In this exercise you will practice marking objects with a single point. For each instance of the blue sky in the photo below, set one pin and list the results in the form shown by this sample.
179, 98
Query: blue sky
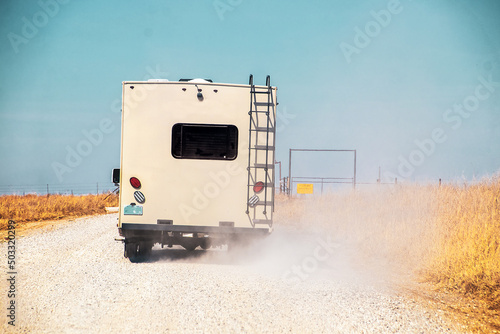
392, 99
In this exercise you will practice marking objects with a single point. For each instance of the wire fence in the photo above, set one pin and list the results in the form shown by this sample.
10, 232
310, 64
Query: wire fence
327, 184
61, 189
105, 187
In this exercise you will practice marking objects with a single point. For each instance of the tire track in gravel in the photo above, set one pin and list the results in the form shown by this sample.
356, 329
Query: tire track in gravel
75, 280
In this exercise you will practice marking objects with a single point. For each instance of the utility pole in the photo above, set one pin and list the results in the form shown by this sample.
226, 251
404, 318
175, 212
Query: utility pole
290, 173
354, 180
279, 163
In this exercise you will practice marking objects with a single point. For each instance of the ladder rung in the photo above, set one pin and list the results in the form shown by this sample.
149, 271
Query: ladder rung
263, 104
262, 128
262, 221
261, 92
264, 147
264, 203
263, 166
259, 111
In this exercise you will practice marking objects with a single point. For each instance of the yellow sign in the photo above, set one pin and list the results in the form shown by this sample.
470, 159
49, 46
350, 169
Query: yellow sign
304, 188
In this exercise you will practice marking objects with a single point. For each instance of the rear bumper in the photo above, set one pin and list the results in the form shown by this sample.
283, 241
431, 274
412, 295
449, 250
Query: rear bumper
212, 230
190, 236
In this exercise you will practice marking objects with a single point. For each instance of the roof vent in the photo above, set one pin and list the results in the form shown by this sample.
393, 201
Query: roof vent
197, 80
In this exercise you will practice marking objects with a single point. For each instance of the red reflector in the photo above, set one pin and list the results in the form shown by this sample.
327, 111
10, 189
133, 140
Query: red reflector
135, 182
258, 187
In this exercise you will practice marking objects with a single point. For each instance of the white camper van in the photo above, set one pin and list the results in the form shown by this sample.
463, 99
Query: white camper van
197, 163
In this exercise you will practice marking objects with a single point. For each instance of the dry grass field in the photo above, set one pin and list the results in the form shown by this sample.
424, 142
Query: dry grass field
469, 249
25, 210
467, 257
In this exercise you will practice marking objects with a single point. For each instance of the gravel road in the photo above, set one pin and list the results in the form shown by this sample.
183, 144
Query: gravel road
74, 279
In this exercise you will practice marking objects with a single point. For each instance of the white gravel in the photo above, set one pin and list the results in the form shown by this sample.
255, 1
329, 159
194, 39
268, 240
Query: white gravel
75, 280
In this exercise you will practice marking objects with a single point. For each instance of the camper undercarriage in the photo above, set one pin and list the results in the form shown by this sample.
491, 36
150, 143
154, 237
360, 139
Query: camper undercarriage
140, 238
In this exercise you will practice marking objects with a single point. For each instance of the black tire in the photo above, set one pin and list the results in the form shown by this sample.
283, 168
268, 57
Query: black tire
190, 248
145, 249
205, 244
137, 252
189, 244
131, 250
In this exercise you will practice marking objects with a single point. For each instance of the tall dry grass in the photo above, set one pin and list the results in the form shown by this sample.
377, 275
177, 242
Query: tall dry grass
31, 208
468, 257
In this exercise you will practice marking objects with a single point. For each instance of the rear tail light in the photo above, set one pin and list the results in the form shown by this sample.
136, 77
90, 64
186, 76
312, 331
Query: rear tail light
135, 182
258, 187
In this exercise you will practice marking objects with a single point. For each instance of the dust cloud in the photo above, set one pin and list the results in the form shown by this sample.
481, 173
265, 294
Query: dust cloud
377, 236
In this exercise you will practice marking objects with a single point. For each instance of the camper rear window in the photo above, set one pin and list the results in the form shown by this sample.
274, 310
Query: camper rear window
204, 141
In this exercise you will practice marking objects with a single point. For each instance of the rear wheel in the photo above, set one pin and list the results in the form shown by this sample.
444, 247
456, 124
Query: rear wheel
131, 250
189, 244
137, 251
145, 249
205, 244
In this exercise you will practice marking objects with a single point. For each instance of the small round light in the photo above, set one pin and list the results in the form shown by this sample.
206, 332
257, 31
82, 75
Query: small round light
135, 182
258, 187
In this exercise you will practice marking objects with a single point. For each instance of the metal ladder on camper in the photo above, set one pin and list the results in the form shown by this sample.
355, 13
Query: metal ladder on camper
261, 144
